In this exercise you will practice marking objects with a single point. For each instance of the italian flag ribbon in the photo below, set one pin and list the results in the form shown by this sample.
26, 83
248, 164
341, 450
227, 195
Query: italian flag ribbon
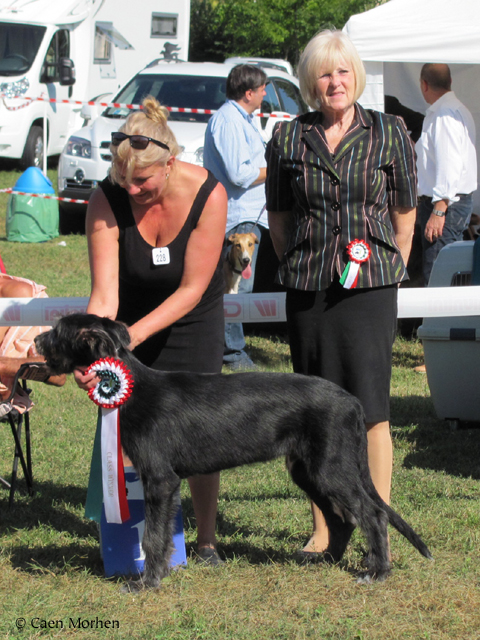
358, 251
114, 388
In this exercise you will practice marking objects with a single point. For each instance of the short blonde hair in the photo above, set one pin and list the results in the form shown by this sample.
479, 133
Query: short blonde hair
150, 122
323, 53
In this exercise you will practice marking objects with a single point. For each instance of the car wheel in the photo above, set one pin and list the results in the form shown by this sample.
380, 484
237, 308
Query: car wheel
33, 152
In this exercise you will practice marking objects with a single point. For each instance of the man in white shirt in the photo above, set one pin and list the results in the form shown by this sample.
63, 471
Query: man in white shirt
446, 165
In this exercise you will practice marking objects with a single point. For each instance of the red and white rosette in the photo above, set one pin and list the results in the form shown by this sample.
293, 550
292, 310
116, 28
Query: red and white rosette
114, 388
359, 252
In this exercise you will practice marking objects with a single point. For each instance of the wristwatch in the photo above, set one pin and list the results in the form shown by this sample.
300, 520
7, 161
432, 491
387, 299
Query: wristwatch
440, 214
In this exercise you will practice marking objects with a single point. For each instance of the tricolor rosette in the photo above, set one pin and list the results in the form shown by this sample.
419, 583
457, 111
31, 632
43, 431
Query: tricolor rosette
358, 251
116, 383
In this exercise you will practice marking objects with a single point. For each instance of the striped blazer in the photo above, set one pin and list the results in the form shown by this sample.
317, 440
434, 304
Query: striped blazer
335, 199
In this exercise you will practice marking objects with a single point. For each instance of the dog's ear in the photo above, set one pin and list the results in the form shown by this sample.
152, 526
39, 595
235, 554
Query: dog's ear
255, 238
118, 332
93, 343
106, 338
231, 238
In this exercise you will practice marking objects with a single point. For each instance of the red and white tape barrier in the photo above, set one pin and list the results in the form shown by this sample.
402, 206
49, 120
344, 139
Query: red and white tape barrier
42, 195
430, 302
118, 105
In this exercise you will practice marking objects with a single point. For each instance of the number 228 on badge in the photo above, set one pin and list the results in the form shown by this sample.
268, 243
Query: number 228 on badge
161, 255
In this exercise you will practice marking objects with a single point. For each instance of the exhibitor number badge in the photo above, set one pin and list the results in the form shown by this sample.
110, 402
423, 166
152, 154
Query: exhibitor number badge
161, 255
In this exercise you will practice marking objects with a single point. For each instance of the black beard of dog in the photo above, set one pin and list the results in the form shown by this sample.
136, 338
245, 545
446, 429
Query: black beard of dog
177, 425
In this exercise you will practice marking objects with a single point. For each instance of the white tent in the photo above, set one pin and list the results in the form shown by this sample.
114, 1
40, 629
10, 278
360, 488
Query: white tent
395, 39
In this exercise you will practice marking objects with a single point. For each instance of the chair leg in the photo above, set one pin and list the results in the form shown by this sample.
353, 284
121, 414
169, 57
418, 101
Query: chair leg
17, 432
26, 417
29, 453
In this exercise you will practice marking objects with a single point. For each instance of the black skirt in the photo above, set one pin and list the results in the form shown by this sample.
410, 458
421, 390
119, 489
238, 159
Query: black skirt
346, 336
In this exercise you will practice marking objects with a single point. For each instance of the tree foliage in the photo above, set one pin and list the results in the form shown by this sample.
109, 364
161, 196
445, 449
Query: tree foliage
266, 28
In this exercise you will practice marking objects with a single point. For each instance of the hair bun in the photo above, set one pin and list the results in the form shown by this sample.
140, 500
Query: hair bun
155, 111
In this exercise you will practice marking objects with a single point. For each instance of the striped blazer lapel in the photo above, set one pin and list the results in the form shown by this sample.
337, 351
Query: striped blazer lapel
315, 141
364, 123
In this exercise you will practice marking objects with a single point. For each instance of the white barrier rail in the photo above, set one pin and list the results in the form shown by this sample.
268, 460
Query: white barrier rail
431, 302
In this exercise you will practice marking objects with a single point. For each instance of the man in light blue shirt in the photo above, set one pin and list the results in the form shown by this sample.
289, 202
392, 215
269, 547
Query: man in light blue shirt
234, 152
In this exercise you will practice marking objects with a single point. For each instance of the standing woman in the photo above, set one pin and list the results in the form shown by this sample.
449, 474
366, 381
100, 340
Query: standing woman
155, 231
341, 196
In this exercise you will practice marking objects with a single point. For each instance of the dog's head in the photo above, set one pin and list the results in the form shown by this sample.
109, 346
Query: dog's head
79, 339
242, 246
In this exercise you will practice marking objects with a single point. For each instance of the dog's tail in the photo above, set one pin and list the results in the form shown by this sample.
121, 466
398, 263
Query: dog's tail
393, 517
405, 529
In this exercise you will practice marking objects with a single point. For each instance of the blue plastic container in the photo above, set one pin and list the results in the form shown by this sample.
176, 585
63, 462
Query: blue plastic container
29, 218
121, 544
34, 181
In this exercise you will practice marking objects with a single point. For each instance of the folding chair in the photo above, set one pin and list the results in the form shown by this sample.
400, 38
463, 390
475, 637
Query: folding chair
37, 371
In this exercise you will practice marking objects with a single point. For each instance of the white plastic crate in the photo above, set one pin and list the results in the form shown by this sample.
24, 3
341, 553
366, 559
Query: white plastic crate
452, 345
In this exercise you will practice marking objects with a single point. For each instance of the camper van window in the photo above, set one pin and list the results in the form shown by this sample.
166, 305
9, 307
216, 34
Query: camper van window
19, 44
192, 92
59, 48
164, 24
102, 46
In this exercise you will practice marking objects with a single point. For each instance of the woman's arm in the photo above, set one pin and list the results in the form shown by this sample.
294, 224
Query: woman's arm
279, 223
102, 235
403, 221
201, 258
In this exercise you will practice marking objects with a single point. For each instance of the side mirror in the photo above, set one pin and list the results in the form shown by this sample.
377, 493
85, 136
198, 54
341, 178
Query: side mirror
66, 72
89, 112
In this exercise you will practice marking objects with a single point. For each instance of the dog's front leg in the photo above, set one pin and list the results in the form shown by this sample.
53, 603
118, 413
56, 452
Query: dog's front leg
160, 509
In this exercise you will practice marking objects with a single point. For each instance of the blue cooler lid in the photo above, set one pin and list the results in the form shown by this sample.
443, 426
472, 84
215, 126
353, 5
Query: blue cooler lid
33, 181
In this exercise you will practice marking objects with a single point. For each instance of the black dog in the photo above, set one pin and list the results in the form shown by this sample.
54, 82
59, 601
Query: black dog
176, 425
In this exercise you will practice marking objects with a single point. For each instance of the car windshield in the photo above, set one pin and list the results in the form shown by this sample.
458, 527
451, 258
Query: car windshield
190, 92
18, 47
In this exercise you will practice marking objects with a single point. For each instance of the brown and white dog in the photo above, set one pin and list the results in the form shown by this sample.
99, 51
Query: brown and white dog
238, 262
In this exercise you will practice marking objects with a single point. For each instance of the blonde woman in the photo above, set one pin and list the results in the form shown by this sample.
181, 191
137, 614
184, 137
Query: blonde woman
155, 231
341, 196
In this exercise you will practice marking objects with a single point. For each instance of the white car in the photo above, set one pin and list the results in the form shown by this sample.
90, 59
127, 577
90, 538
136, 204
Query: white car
85, 160
266, 63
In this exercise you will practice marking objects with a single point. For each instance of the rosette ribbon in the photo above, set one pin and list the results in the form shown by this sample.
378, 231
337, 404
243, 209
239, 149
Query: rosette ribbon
359, 252
114, 388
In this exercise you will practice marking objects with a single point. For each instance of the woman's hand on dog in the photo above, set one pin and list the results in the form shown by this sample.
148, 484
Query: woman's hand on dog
85, 382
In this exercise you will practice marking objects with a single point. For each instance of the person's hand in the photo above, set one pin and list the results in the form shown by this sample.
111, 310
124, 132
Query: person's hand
134, 339
85, 382
32, 352
434, 228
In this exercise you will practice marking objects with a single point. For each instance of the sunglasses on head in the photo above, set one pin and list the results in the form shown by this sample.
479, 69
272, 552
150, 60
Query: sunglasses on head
137, 142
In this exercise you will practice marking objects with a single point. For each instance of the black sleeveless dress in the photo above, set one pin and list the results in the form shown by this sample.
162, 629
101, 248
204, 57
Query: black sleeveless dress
193, 343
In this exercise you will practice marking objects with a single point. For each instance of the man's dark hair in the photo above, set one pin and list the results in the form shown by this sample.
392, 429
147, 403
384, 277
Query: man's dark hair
242, 78
437, 76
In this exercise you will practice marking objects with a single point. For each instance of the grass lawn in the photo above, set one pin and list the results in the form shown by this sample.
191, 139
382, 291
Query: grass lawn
51, 571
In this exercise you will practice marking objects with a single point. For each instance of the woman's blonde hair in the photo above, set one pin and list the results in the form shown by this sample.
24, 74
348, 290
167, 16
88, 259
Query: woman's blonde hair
150, 122
324, 53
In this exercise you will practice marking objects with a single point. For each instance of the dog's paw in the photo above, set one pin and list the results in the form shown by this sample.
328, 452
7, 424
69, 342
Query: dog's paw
136, 586
368, 577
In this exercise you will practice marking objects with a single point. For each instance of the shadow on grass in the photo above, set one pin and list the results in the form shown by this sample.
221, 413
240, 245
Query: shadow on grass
436, 445
48, 508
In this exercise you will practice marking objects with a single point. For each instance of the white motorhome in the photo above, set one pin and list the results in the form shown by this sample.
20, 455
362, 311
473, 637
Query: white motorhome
74, 50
